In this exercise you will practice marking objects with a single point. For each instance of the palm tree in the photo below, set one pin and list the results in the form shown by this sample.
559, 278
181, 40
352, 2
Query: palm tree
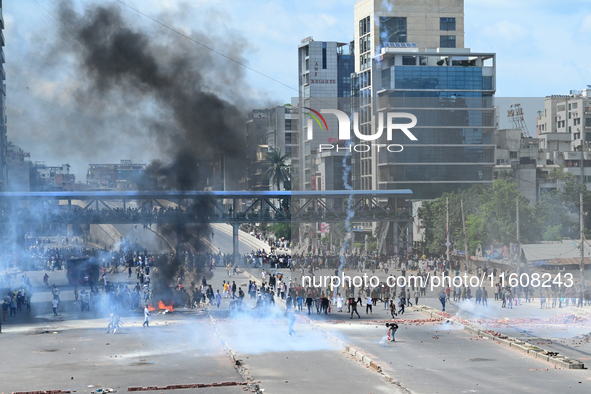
278, 171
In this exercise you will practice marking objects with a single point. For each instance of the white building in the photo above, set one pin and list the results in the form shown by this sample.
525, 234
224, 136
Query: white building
324, 70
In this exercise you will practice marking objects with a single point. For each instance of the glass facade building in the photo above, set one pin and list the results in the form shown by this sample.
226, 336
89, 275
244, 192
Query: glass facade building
451, 96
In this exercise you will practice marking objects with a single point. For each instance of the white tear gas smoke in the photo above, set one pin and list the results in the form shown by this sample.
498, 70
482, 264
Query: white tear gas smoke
350, 211
253, 331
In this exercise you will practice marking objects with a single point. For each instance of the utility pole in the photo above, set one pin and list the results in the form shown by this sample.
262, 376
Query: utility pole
465, 237
447, 244
582, 242
518, 238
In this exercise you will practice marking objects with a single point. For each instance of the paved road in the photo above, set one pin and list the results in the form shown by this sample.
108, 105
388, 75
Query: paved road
183, 347
550, 327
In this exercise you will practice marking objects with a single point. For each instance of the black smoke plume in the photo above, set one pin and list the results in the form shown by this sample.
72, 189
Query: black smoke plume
190, 124
192, 127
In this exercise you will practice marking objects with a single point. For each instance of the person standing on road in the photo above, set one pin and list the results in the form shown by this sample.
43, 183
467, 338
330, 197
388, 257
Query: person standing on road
84, 301
5, 307
54, 305
218, 298
339, 303
146, 317
13, 307
393, 309
233, 289
309, 301
442, 300
56, 293
354, 308
509, 296
46, 279
368, 305
290, 322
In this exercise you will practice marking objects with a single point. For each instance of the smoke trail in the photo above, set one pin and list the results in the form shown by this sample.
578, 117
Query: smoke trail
350, 211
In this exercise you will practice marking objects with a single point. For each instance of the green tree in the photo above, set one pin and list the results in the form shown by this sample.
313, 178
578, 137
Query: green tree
552, 215
475, 232
278, 170
281, 230
433, 217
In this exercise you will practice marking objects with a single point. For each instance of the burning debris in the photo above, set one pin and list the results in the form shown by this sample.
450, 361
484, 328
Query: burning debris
162, 308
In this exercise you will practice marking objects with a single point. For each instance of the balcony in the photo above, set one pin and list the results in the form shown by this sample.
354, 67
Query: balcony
573, 155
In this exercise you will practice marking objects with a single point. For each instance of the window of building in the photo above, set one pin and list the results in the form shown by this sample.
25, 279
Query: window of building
513, 155
576, 136
288, 124
569, 107
324, 56
447, 41
587, 122
364, 26
409, 60
392, 29
570, 113
447, 24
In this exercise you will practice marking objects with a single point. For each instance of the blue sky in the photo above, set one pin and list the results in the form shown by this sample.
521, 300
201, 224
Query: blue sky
542, 48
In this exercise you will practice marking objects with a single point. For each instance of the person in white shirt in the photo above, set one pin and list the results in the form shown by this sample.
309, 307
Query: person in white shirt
147, 315
339, 303
368, 305
218, 298
54, 305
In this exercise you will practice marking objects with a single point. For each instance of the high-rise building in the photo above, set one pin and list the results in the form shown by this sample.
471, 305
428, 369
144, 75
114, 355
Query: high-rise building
427, 23
3, 140
270, 129
409, 57
283, 136
324, 70
256, 149
19, 165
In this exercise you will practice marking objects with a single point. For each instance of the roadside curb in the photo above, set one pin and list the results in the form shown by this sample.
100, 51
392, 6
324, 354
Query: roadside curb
513, 343
253, 385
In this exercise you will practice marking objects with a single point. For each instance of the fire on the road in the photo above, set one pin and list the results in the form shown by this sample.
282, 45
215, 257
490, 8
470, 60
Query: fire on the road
161, 307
